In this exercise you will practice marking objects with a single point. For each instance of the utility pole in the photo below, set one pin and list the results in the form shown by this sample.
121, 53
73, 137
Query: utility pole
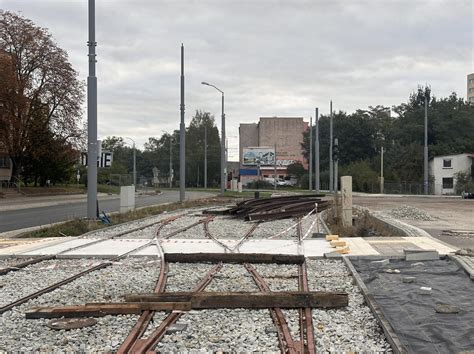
134, 166
310, 154
205, 156
223, 161
425, 157
331, 163
336, 164
92, 212
275, 169
171, 165
317, 182
381, 171
182, 161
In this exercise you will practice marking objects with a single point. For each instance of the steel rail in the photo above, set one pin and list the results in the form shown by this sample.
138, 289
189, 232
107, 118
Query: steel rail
246, 236
18, 266
145, 318
306, 315
208, 235
163, 221
286, 342
145, 345
174, 233
72, 278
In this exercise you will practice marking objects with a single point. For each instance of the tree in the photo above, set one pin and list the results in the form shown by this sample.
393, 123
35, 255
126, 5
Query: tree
195, 150
40, 84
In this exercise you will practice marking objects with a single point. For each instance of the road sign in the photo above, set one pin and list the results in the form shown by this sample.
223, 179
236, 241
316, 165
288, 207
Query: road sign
104, 160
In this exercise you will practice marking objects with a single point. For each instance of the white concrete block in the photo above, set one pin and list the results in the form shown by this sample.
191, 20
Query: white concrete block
425, 290
346, 198
127, 198
421, 255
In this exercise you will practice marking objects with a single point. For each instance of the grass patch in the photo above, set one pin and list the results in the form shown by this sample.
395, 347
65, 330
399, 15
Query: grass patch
74, 227
54, 190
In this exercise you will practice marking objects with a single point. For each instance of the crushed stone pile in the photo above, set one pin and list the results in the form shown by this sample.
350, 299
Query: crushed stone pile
410, 213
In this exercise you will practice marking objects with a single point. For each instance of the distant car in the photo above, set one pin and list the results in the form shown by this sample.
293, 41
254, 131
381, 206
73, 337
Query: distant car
467, 195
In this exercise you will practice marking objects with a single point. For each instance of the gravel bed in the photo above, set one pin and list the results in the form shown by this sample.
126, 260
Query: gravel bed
271, 228
223, 330
410, 213
108, 284
15, 285
184, 276
228, 228
113, 230
350, 329
232, 277
283, 277
13, 261
180, 223
236, 330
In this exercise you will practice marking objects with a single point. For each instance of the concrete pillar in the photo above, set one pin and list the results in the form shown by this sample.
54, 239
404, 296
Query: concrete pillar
127, 198
239, 187
346, 198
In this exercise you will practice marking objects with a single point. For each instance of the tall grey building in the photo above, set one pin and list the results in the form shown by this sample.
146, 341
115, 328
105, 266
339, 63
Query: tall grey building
470, 88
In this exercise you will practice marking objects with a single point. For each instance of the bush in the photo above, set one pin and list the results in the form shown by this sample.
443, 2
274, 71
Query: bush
259, 185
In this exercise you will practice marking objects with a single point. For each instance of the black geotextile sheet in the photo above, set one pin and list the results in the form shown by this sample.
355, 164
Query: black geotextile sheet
412, 315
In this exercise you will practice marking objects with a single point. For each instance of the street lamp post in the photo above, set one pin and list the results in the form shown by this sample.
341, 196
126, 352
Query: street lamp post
223, 162
134, 163
425, 150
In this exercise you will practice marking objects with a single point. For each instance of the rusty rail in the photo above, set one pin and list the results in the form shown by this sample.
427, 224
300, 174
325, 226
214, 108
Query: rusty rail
145, 318
146, 345
287, 344
246, 236
306, 315
174, 233
208, 235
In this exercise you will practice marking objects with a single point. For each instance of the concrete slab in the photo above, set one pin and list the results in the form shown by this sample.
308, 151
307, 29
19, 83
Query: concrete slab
20, 246
59, 247
109, 248
428, 243
358, 246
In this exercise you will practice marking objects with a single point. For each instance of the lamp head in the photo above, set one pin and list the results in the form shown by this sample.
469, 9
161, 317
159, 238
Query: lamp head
205, 83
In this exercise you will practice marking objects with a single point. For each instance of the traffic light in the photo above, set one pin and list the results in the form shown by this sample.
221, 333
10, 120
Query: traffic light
335, 150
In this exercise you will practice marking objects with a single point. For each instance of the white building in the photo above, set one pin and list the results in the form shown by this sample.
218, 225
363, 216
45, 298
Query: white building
443, 169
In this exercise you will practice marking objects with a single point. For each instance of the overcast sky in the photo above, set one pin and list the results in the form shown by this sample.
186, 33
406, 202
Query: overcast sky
271, 58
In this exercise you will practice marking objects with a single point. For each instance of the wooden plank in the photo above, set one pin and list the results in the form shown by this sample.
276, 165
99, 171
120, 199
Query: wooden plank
214, 300
103, 309
234, 258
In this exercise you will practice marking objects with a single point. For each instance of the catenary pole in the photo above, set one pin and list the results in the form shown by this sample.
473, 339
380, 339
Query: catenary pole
171, 163
425, 154
317, 183
182, 161
275, 168
205, 156
336, 166
223, 162
331, 163
310, 168
92, 119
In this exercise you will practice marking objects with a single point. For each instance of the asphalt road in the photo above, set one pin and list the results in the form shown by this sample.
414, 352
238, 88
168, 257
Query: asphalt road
28, 217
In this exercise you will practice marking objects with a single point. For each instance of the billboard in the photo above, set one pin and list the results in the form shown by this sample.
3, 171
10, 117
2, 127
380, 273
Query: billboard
254, 156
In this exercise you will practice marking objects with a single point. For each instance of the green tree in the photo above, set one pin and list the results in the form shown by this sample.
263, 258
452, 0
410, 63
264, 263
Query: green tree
195, 150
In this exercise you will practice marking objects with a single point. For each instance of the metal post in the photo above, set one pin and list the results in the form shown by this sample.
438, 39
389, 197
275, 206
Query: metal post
331, 168
171, 165
205, 157
310, 154
275, 169
182, 158
134, 166
92, 119
336, 167
381, 172
223, 152
317, 183
425, 155
223, 162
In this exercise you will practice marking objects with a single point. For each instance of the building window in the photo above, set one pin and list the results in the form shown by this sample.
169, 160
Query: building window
448, 183
4, 162
447, 163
